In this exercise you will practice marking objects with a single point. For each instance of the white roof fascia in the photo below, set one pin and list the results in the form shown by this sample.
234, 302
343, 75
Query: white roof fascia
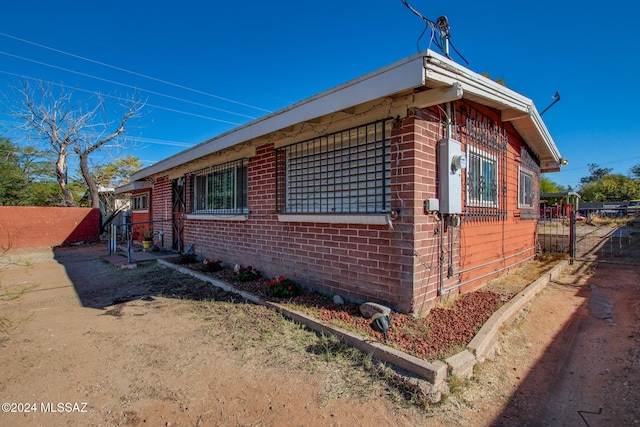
544, 133
398, 77
137, 185
443, 70
514, 106
427, 69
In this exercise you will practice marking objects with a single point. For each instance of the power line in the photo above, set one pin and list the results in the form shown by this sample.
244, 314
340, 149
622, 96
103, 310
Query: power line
161, 142
136, 73
600, 164
141, 139
126, 85
118, 98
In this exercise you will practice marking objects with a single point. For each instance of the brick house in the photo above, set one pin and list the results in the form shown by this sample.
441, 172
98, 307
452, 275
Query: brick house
367, 190
140, 208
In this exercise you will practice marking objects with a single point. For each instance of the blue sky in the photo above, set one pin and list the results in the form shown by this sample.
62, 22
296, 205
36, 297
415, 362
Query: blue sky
206, 67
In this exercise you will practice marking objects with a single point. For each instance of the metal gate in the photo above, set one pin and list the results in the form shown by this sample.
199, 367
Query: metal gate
607, 235
178, 211
595, 234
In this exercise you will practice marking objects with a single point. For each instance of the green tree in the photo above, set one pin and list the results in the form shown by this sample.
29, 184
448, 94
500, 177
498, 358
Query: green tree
549, 186
596, 174
12, 178
117, 172
611, 187
114, 174
499, 80
635, 171
27, 179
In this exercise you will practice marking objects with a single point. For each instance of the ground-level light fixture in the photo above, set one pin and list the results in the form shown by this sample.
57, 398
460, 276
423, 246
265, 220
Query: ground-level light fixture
380, 323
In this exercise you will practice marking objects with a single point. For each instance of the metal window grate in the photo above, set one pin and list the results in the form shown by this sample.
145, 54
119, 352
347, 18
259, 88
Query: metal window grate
220, 189
343, 172
486, 178
528, 174
526, 189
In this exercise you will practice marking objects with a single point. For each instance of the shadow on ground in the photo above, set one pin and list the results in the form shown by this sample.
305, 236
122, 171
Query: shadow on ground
590, 374
99, 285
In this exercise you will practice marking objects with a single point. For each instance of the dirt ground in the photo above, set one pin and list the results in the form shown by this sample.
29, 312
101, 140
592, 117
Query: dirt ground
172, 352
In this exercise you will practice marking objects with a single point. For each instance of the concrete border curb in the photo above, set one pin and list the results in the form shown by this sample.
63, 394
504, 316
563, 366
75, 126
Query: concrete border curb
482, 345
215, 282
436, 372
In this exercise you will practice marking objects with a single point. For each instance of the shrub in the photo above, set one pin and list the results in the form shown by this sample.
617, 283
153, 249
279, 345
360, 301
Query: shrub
186, 258
280, 287
246, 274
209, 266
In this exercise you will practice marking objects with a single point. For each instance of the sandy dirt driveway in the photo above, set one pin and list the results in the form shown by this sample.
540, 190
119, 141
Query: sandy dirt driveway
84, 343
161, 357
573, 357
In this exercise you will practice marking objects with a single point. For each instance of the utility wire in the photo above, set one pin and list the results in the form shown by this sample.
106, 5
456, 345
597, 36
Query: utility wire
161, 141
434, 28
10, 124
124, 70
118, 98
125, 85
428, 24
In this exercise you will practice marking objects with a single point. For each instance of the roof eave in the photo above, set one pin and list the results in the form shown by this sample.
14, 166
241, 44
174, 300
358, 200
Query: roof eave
132, 186
398, 77
425, 69
514, 107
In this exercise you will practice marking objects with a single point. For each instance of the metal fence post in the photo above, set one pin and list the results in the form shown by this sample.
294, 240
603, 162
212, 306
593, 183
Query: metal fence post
572, 236
110, 233
128, 246
179, 235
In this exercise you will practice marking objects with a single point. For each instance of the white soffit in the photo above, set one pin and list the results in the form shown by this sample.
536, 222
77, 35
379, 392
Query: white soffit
401, 76
515, 108
138, 185
426, 69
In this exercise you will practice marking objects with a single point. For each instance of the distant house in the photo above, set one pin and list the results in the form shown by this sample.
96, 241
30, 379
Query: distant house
366, 190
140, 208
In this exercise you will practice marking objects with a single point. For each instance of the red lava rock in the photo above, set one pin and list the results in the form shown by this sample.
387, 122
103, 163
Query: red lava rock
430, 337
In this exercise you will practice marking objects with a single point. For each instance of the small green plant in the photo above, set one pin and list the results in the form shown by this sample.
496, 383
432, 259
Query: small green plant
280, 287
247, 274
186, 258
209, 266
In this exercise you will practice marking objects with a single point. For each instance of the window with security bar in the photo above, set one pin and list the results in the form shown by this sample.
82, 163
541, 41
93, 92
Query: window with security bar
482, 179
346, 172
526, 191
221, 189
486, 174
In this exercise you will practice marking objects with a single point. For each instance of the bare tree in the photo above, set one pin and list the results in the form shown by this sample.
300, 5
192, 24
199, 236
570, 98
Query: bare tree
73, 128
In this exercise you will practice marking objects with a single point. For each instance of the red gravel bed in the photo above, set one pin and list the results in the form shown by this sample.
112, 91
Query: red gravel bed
439, 334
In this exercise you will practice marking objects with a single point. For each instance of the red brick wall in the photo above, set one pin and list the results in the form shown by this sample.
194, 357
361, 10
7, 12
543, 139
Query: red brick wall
493, 248
400, 266
161, 205
31, 227
357, 261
